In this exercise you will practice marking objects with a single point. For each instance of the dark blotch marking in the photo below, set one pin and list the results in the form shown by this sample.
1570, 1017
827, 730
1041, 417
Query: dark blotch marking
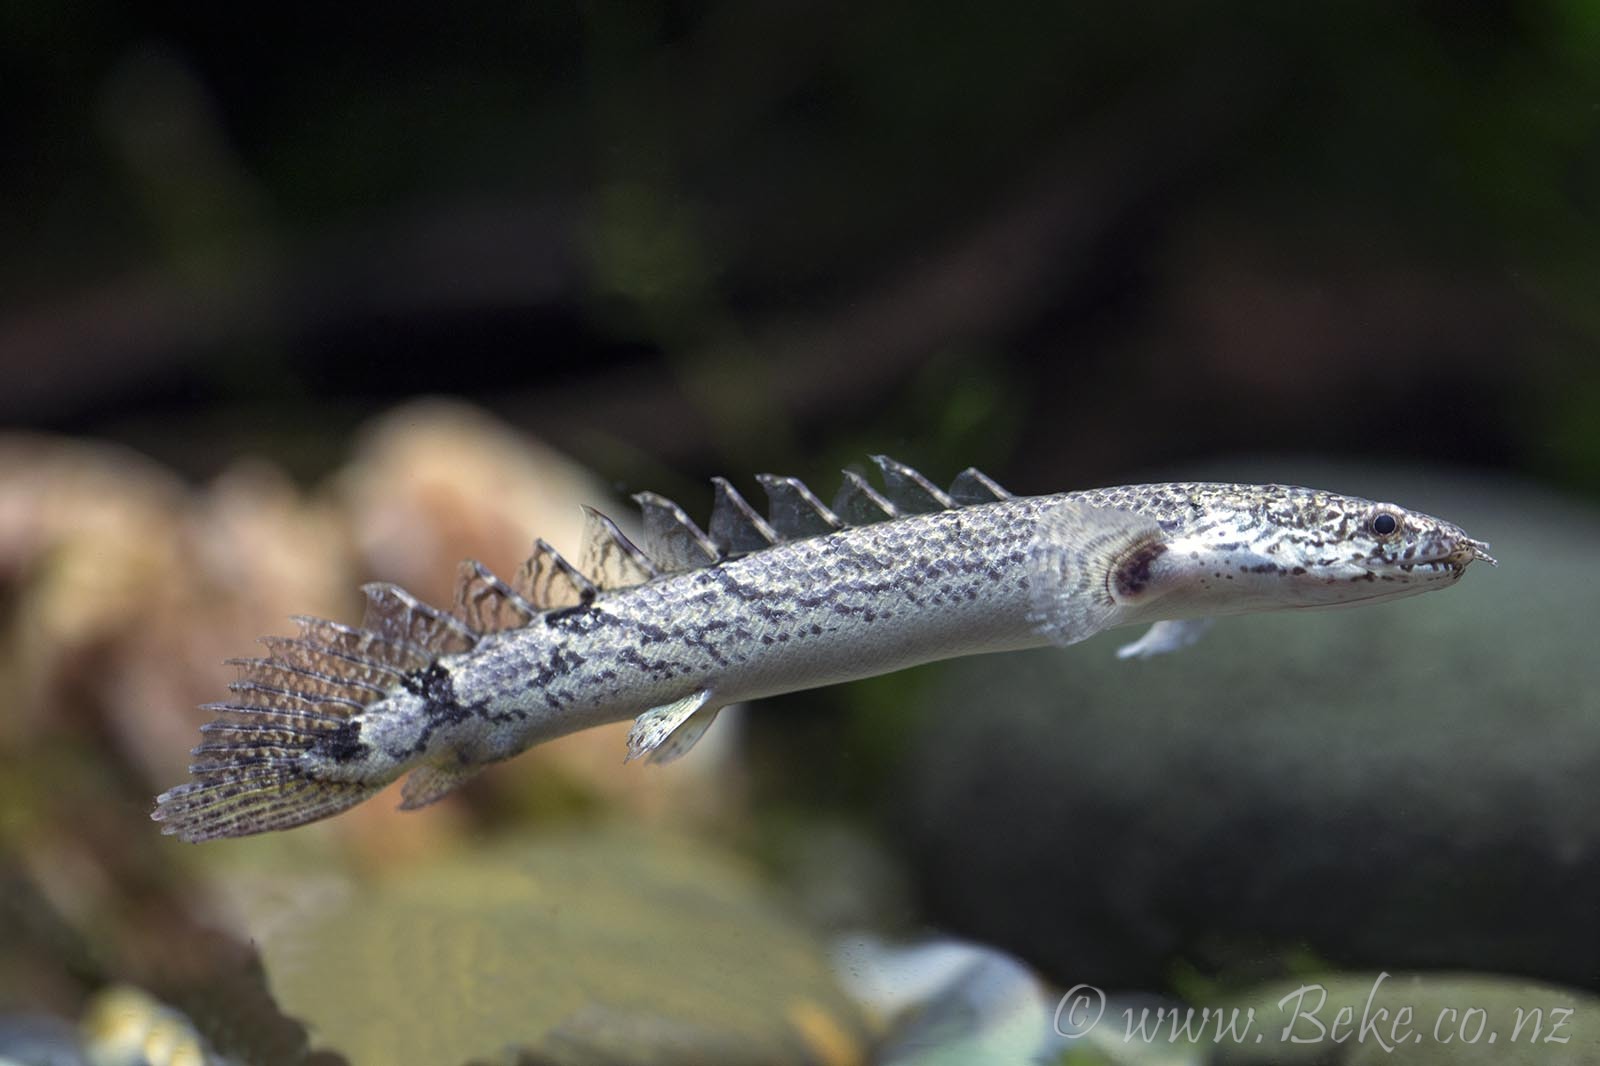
1133, 575
343, 743
440, 706
432, 683
560, 617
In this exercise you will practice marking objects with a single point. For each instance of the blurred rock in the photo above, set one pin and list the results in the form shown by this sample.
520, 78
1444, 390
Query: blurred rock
130, 591
252, 549
943, 1001
435, 482
87, 537
38, 1041
125, 1026
1408, 785
605, 946
948, 1002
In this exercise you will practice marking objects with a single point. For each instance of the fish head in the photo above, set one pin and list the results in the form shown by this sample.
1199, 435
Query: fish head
1273, 547
1347, 549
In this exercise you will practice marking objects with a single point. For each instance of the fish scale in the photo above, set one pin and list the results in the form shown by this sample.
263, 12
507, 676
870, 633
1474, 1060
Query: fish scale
668, 632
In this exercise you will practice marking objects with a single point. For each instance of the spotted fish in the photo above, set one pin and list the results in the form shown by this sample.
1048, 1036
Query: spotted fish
669, 631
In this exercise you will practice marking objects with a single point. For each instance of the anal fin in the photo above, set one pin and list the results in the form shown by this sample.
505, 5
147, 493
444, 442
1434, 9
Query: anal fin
430, 784
665, 733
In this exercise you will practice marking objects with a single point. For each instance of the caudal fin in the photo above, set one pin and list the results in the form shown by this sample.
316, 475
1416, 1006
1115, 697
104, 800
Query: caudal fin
251, 773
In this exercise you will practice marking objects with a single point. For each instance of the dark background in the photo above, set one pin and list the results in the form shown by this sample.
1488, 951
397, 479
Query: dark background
1067, 241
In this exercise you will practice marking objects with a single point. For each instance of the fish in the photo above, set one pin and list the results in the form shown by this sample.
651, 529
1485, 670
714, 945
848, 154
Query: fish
669, 631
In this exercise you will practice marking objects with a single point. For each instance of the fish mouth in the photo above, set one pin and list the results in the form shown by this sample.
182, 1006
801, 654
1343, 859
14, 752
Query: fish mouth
1455, 565
1457, 559
1479, 549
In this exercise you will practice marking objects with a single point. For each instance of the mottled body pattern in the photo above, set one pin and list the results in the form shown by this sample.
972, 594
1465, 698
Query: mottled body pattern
808, 596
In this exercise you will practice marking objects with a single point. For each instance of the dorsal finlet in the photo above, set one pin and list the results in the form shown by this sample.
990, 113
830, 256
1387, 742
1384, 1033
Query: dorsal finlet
393, 614
549, 582
736, 528
671, 538
973, 486
488, 604
910, 491
794, 510
610, 559
859, 504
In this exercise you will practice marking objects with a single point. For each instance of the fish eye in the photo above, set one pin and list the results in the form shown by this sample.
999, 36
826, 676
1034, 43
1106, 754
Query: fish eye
1384, 524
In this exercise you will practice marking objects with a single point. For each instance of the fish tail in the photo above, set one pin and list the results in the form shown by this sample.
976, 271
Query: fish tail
226, 804
278, 752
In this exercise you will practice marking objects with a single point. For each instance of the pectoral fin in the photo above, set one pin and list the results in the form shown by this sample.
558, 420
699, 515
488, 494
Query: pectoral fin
665, 733
1086, 564
1165, 636
430, 784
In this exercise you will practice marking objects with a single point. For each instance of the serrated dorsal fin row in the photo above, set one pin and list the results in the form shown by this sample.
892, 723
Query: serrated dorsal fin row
672, 543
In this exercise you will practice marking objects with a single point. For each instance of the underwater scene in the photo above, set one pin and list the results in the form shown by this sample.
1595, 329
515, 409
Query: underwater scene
811, 534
